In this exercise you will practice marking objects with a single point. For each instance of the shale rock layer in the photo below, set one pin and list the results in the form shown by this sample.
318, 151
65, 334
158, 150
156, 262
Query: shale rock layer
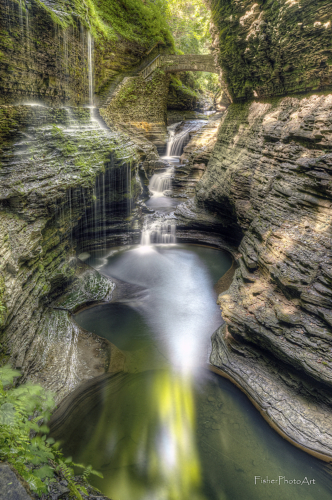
273, 48
271, 172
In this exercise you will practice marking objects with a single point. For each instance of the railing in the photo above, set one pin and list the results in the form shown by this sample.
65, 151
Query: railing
150, 68
176, 63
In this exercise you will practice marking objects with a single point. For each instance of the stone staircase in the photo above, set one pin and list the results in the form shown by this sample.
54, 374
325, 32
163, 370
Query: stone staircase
170, 63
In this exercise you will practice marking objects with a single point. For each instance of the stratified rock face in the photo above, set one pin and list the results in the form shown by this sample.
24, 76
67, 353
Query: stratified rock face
273, 48
53, 161
270, 174
46, 54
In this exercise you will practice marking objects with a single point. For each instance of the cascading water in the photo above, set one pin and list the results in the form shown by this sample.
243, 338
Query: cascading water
161, 182
158, 232
177, 140
162, 199
90, 68
171, 134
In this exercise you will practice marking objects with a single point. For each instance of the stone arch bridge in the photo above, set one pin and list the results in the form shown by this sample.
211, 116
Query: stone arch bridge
178, 63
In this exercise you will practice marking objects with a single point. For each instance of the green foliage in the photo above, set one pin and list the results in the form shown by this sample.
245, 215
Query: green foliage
57, 132
135, 20
23, 413
178, 85
189, 22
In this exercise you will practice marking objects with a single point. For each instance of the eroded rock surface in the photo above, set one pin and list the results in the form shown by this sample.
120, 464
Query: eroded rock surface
52, 163
272, 48
297, 407
270, 175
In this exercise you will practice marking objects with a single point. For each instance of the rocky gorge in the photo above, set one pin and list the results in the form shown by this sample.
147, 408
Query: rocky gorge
81, 129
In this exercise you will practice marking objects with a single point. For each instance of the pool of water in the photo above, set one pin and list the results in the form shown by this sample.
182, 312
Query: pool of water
168, 429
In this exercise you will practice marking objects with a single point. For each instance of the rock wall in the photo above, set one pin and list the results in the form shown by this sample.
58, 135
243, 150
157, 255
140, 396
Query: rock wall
142, 104
53, 161
273, 48
44, 54
272, 165
270, 176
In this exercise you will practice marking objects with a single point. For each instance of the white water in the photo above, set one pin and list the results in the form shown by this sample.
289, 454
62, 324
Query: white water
178, 140
158, 232
90, 68
161, 182
171, 135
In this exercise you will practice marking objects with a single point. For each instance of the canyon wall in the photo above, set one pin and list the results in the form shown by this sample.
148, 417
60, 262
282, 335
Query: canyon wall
66, 180
53, 163
269, 178
272, 48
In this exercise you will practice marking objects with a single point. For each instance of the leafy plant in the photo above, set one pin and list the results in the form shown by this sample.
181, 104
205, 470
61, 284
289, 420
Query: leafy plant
189, 23
24, 411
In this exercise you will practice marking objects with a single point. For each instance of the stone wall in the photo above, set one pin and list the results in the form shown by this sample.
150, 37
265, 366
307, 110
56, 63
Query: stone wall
142, 104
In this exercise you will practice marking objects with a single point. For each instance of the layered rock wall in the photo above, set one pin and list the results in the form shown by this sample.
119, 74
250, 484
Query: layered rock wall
270, 176
271, 170
52, 163
273, 48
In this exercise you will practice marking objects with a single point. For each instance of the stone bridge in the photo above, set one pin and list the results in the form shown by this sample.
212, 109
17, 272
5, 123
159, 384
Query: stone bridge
177, 63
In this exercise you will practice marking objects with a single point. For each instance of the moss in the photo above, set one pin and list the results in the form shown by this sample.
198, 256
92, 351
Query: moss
3, 308
10, 118
134, 20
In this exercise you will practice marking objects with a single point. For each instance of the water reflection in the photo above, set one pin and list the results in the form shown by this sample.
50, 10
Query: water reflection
176, 433
180, 308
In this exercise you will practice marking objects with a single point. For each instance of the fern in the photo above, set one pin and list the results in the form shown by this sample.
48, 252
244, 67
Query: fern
23, 413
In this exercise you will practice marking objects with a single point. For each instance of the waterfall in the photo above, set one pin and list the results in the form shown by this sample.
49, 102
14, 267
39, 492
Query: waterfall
90, 68
171, 134
65, 51
158, 232
178, 140
27, 31
161, 182
20, 14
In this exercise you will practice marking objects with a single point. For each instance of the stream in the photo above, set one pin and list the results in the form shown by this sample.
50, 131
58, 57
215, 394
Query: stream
166, 428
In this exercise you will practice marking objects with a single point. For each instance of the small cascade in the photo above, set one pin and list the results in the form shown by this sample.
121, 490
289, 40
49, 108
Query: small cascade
171, 134
161, 182
90, 67
178, 140
65, 51
20, 15
158, 232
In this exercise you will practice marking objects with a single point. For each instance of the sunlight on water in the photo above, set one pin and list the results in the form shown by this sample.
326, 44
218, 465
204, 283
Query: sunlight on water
163, 428
181, 314
148, 440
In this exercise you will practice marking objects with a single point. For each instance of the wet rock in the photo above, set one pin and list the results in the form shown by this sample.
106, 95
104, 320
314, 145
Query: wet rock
11, 487
270, 176
88, 287
297, 406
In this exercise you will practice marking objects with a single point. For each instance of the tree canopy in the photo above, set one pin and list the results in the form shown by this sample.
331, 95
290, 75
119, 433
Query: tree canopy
189, 23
